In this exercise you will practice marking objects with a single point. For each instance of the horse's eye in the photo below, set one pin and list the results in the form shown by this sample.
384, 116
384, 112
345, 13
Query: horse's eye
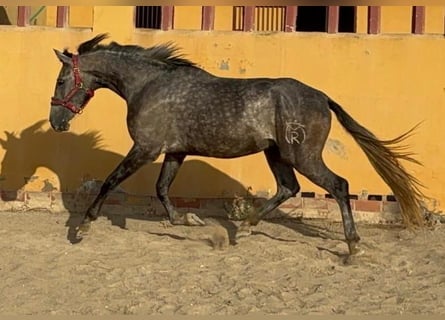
60, 81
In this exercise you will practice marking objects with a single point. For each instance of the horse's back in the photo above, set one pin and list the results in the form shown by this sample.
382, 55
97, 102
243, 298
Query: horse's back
220, 117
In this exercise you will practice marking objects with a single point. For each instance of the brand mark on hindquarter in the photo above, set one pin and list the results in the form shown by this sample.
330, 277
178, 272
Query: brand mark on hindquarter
295, 132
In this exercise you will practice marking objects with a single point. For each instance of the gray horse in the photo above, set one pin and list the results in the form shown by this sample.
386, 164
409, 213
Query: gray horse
177, 108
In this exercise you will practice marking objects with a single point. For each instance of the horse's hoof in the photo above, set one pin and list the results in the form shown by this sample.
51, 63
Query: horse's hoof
192, 219
84, 228
73, 236
354, 249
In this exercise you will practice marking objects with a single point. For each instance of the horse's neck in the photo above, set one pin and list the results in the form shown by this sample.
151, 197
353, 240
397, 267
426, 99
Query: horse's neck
117, 74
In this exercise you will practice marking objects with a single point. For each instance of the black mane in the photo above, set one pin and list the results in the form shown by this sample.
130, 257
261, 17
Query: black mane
166, 53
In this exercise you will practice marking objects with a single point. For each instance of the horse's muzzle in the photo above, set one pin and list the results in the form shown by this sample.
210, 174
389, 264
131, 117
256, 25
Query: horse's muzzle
65, 126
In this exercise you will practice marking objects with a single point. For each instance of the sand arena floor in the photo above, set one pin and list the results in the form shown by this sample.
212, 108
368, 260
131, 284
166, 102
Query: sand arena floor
285, 267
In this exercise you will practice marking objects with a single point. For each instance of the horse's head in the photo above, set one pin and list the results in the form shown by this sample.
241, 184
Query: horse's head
75, 85
74, 88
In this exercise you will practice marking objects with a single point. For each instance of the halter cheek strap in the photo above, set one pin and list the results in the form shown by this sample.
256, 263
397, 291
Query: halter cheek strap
78, 85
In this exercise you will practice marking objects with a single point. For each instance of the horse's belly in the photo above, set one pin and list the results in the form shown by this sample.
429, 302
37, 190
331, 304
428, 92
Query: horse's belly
227, 147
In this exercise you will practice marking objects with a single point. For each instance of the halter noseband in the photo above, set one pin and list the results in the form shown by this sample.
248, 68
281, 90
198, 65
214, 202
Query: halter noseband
78, 85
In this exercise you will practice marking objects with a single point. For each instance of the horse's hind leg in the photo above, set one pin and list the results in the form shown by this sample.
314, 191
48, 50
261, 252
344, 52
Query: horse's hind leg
315, 170
287, 186
170, 167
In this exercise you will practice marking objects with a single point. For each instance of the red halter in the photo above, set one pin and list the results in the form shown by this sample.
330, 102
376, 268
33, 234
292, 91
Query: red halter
78, 85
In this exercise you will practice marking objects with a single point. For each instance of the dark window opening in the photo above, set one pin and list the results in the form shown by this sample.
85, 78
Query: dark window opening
4, 19
346, 19
148, 17
311, 18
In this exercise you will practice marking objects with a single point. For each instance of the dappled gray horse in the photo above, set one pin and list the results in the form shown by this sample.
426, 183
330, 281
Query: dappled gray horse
176, 108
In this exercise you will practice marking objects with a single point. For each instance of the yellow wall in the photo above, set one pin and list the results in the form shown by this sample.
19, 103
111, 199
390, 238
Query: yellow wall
435, 19
396, 19
362, 19
223, 18
187, 17
81, 16
387, 82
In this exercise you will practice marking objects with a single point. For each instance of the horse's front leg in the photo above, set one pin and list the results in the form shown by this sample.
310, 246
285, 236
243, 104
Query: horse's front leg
170, 167
136, 158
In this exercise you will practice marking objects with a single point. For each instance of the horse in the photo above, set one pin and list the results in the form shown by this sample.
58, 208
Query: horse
177, 109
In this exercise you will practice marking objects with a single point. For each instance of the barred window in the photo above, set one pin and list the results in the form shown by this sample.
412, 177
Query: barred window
238, 18
270, 18
148, 17
266, 18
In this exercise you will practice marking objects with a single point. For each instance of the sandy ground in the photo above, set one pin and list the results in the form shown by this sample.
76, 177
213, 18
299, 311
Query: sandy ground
285, 267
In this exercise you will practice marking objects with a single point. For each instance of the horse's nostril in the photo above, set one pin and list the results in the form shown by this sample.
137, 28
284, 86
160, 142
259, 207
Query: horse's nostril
62, 127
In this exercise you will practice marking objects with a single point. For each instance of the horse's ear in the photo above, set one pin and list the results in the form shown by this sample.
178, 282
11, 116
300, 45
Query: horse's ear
9, 136
33, 129
63, 58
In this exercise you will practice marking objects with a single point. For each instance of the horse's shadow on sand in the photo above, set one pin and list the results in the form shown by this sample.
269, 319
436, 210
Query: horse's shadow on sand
80, 162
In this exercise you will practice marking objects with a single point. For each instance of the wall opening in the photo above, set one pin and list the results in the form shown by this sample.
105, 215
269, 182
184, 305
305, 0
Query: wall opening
4, 18
311, 18
347, 19
270, 18
148, 17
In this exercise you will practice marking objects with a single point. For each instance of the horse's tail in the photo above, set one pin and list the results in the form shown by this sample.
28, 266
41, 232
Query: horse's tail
384, 156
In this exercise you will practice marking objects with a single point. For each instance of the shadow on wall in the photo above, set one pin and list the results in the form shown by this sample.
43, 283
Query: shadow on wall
81, 163
80, 159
